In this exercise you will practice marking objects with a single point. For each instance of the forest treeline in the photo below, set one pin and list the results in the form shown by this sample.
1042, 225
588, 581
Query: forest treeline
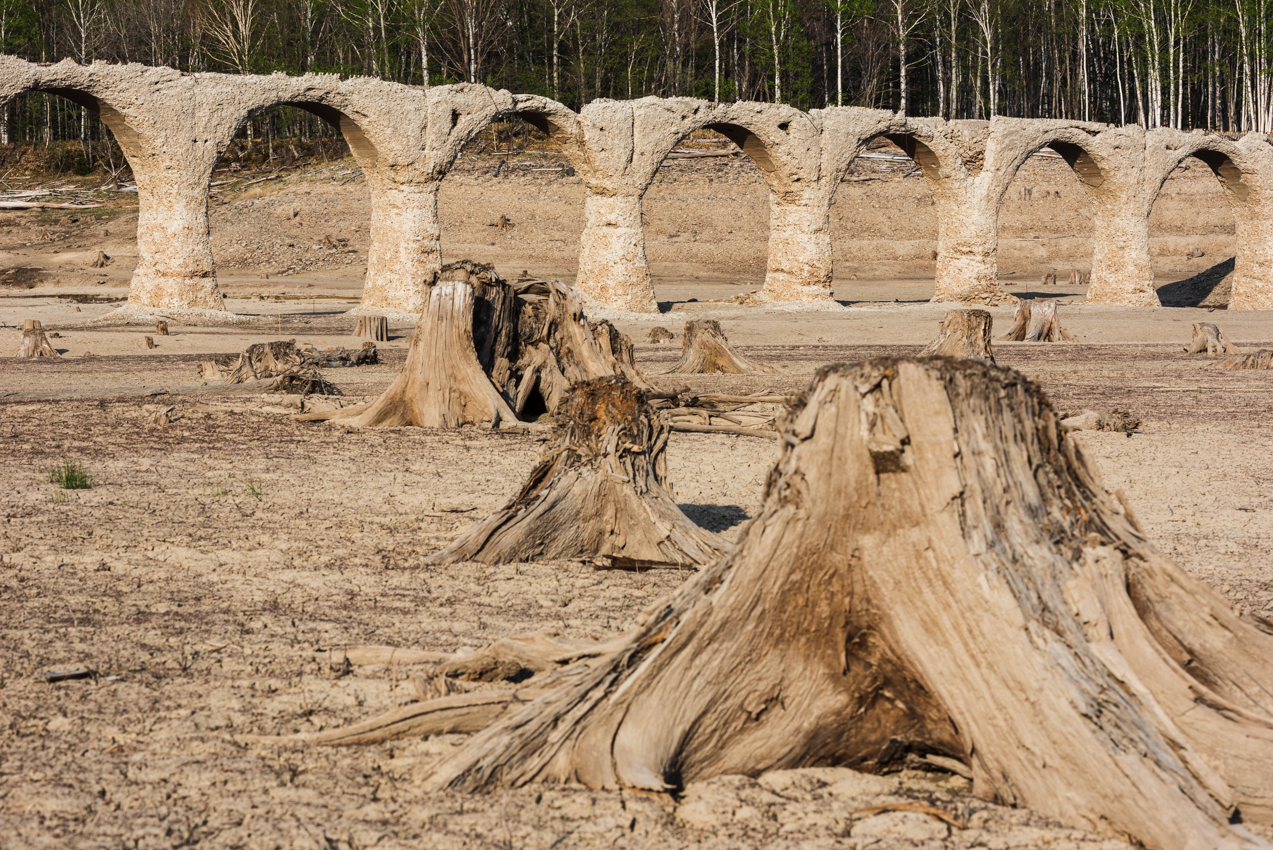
1174, 63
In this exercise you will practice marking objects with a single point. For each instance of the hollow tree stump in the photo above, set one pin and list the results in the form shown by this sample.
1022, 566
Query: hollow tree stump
1036, 321
34, 342
964, 333
598, 492
706, 351
1262, 359
976, 594
1209, 338
374, 328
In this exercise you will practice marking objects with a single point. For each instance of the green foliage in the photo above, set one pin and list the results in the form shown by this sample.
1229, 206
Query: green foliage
70, 475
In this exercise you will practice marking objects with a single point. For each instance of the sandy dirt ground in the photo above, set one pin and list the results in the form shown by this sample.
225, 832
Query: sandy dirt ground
220, 557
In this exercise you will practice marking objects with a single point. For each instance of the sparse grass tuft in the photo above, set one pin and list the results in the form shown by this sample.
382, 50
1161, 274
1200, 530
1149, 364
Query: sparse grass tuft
59, 497
70, 475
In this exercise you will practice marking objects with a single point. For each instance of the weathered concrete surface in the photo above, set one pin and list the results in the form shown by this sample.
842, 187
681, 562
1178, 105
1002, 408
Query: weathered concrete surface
173, 128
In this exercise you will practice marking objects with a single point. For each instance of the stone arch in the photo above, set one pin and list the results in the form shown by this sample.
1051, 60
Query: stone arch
1078, 148
1241, 179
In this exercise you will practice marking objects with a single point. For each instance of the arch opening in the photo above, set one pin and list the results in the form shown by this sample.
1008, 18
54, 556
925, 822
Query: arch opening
1193, 231
303, 241
883, 222
706, 216
1046, 229
512, 199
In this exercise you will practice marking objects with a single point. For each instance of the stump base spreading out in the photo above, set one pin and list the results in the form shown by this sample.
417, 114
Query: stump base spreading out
936, 571
1262, 359
706, 351
1209, 338
598, 492
34, 342
283, 368
1036, 321
964, 333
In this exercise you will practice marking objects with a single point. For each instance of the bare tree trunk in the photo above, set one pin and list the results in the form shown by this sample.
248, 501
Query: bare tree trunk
599, 492
964, 333
706, 351
1209, 338
936, 570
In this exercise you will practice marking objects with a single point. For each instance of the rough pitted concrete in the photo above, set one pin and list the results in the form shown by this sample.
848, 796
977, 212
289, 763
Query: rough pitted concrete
173, 128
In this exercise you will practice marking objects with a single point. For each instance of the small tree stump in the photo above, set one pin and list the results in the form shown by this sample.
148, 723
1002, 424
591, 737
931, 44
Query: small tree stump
657, 335
599, 491
964, 333
102, 260
34, 342
1049, 279
1209, 338
706, 351
1036, 321
1262, 359
150, 342
374, 328
280, 363
161, 328
1078, 278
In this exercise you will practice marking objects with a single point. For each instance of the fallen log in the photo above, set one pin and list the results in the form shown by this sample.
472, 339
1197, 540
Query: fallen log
706, 351
964, 333
979, 597
599, 490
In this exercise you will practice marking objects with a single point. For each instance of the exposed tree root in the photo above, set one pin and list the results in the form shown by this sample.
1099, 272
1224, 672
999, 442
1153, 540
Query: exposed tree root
1209, 338
1262, 359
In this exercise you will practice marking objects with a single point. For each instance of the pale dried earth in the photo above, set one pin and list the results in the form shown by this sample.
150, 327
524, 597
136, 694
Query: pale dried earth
217, 555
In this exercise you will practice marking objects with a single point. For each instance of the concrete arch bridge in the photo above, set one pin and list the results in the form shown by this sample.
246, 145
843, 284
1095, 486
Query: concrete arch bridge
174, 127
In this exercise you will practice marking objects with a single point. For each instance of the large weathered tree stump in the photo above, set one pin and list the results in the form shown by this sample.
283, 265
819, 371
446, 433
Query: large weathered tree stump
599, 492
374, 328
936, 569
706, 351
1262, 359
1209, 338
488, 351
34, 342
964, 333
1036, 321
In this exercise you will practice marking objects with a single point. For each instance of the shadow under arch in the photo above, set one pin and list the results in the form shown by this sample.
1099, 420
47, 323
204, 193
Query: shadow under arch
362, 148
129, 139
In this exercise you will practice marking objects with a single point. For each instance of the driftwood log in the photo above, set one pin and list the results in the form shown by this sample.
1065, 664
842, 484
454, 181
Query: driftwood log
374, 328
936, 570
706, 351
1262, 359
34, 342
599, 492
486, 351
1036, 321
1209, 338
964, 333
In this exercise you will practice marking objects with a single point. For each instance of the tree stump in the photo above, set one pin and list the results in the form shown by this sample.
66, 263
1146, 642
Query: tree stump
279, 363
34, 342
659, 335
936, 570
598, 492
1209, 338
161, 328
1036, 321
1078, 278
964, 333
1262, 359
150, 342
1049, 279
706, 351
374, 328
